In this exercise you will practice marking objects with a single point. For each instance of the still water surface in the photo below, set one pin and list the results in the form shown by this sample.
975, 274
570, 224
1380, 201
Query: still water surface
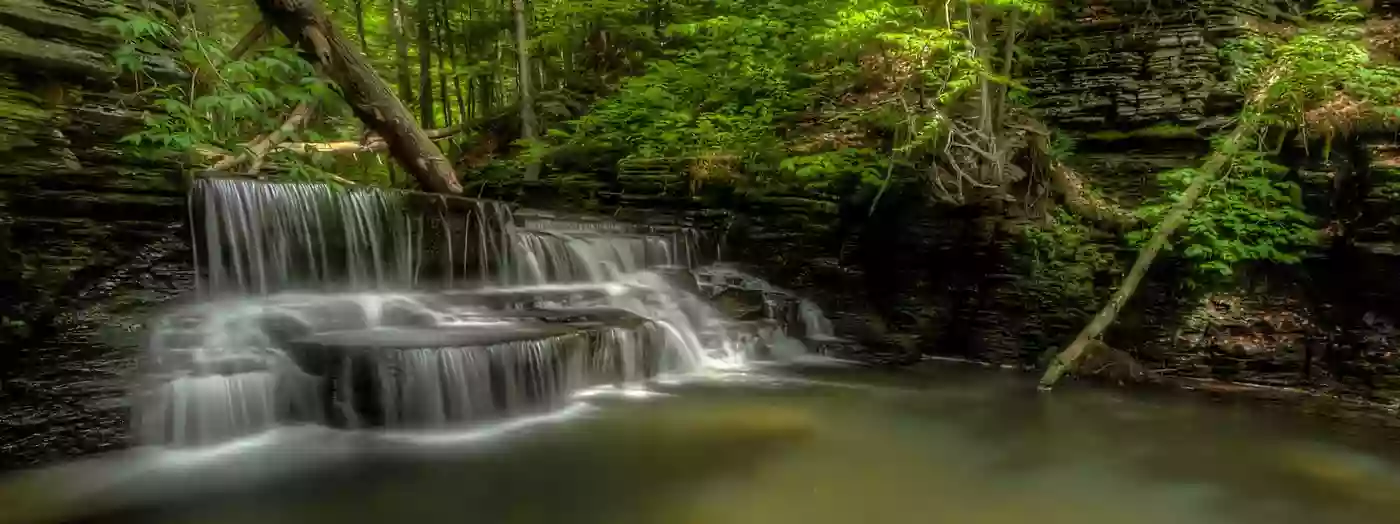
815, 445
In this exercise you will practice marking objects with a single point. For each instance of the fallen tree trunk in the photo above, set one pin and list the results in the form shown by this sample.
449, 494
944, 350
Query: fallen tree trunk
305, 24
1218, 161
341, 147
1068, 359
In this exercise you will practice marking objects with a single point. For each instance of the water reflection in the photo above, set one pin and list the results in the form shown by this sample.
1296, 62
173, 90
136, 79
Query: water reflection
825, 444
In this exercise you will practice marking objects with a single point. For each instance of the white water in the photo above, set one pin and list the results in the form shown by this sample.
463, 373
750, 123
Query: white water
288, 263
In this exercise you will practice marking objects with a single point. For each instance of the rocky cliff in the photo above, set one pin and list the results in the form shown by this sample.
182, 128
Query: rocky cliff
89, 237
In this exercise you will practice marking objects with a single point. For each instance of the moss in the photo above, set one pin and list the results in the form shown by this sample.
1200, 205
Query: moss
1158, 131
21, 115
794, 202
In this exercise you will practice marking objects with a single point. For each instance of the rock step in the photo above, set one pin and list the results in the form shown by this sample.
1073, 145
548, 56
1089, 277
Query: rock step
425, 378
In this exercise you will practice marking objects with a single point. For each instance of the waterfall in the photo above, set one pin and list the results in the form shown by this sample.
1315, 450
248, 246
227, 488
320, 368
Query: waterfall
260, 238
367, 309
814, 321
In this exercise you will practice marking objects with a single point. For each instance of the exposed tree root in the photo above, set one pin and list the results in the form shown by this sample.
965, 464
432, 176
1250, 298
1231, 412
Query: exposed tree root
1075, 192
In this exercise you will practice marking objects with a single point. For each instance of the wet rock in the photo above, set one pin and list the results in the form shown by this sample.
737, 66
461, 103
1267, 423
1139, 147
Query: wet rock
741, 304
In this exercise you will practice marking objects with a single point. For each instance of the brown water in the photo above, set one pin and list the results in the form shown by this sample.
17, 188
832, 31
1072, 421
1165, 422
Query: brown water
822, 445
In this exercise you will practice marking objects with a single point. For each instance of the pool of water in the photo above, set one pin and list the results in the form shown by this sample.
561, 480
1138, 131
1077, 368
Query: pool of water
812, 444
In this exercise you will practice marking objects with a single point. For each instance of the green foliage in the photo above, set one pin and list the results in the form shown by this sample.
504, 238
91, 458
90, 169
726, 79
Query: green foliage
1338, 11
819, 171
1248, 215
1062, 145
756, 79
236, 95
723, 90
215, 103
1318, 81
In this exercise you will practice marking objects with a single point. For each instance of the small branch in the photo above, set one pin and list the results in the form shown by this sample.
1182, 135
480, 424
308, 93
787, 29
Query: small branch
254, 35
370, 144
259, 150
259, 145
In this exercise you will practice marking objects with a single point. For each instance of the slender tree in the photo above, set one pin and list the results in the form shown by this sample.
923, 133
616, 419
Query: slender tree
439, 42
425, 64
396, 28
360, 25
452, 41
527, 100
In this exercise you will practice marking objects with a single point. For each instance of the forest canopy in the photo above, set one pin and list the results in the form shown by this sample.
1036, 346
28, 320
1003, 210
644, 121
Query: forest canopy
796, 93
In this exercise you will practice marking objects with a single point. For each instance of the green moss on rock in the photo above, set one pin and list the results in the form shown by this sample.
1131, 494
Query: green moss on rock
41, 20
1158, 131
55, 57
21, 115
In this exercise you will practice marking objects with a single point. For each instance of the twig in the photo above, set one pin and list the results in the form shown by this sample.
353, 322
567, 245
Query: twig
259, 151
255, 34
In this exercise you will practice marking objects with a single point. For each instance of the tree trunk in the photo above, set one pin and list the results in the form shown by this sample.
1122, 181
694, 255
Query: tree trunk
991, 168
369, 96
527, 100
249, 40
440, 40
261, 144
456, 79
1247, 127
360, 25
259, 151
425, 64
396, 26
1007, 59
1069, 358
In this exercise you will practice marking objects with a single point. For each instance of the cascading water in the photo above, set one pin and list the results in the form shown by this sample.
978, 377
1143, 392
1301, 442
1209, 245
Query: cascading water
381, 309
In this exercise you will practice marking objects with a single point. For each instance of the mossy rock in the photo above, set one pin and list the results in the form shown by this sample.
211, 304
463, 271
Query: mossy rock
56, 58
1162, 131
22, 116
41, 20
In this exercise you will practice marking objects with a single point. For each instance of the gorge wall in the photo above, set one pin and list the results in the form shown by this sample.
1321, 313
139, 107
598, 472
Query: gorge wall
90, 238
1144, 85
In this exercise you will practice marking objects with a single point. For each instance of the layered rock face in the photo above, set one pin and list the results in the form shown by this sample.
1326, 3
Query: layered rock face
1144, 94
90, 238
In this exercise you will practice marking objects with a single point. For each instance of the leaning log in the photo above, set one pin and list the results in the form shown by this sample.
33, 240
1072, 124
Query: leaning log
1068, 359
306, 24
1216, 164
